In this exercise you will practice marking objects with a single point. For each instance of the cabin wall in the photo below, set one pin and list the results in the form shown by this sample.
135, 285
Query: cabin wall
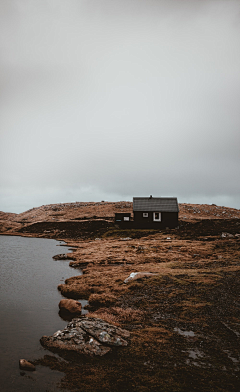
168, 219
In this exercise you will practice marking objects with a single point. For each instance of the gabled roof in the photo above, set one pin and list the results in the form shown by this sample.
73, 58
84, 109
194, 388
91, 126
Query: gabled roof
157, 204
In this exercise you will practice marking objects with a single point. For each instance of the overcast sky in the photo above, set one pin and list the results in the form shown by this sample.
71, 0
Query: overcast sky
110, 99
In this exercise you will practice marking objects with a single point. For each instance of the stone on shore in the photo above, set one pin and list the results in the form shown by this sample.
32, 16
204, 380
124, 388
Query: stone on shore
227, 235
138, 275
26, 365
62, 256
104, 332
87, 336
70, 305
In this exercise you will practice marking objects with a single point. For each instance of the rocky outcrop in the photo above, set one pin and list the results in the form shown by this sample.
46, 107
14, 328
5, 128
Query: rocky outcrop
105, 333
70, 306
62, 256
78, 264
87, 336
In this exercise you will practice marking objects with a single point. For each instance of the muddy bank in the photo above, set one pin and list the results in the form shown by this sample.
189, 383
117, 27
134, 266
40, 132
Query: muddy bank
66, 229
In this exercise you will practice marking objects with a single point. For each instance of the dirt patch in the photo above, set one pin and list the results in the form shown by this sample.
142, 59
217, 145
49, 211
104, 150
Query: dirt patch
76, 230
208, 228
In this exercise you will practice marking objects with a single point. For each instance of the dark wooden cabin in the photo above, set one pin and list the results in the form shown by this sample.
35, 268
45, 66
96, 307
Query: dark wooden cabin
155, 212
150, 213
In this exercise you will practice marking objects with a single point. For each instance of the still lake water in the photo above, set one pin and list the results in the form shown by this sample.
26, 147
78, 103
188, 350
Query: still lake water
29, 308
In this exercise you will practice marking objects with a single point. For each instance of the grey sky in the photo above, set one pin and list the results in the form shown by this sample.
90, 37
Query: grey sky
106, 100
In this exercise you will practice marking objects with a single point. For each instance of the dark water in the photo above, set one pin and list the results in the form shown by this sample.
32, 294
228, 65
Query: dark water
29, 308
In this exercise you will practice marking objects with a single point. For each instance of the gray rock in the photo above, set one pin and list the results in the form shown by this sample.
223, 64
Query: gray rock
104, 332
87, 336
227, 235
62, 256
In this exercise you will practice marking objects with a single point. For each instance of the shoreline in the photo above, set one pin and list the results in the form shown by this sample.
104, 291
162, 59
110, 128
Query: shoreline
184, 321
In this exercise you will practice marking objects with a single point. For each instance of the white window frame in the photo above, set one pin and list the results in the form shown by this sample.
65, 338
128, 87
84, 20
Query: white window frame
126, 218
159, 219
145, 214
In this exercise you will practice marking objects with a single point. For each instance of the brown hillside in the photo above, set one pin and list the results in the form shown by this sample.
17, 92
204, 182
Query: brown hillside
80, 211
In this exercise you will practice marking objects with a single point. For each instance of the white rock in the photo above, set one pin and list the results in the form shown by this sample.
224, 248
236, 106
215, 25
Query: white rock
138, 275
227, 235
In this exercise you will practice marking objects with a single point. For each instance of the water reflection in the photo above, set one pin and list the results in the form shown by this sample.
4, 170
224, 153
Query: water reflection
29, 307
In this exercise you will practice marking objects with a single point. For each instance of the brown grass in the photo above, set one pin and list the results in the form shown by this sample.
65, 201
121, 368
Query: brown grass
118, 316
101, 300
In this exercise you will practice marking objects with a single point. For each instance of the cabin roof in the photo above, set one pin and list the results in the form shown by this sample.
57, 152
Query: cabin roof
157, 204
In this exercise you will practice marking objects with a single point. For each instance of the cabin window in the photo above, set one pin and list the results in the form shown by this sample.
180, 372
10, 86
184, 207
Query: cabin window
126, 218
145, 214
157, 216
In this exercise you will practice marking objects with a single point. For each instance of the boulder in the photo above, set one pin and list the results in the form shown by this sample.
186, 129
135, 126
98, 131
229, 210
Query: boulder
26, 365
70, 305
104, 332
87, 336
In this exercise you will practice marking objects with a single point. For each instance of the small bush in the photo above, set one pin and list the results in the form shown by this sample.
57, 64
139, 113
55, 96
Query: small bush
101, 300
75, 291
127, 315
